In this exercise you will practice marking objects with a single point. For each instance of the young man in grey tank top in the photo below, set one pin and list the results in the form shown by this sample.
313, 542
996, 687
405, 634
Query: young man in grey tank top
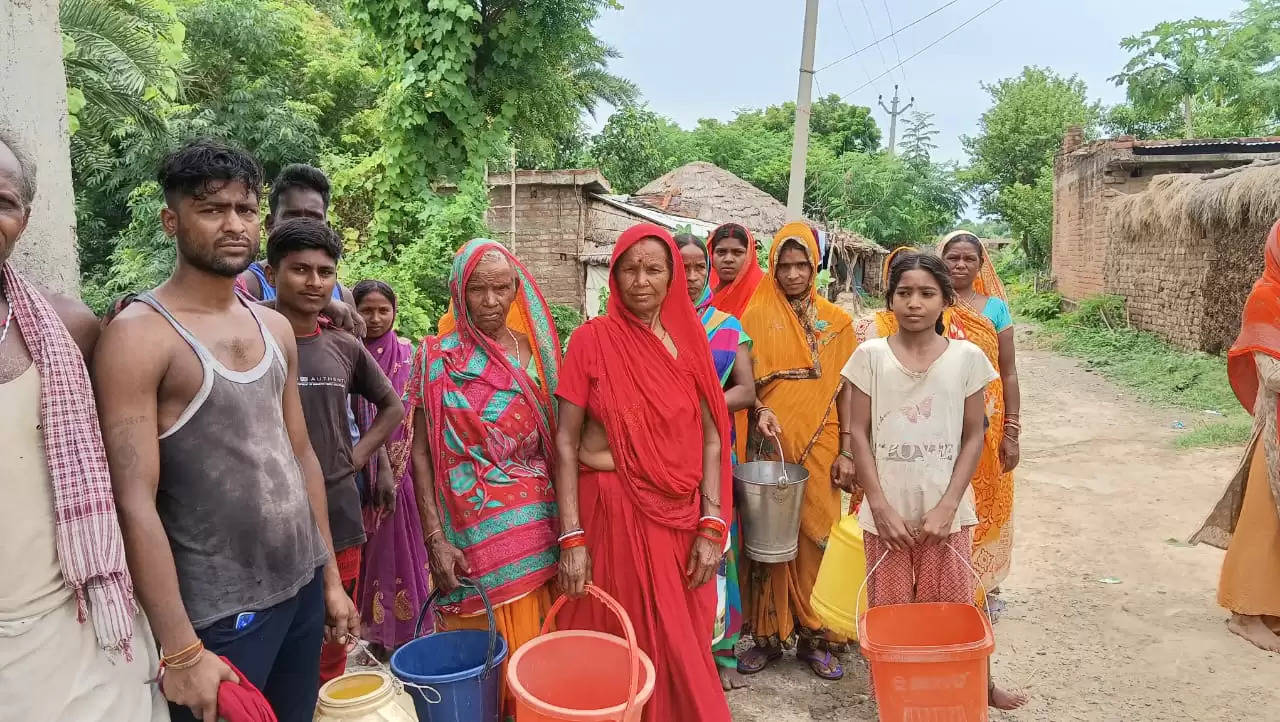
220, 495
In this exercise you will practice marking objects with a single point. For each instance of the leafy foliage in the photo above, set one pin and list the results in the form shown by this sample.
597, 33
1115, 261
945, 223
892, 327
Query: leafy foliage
918, 138
567, 319
279, 77
120, 57
1011, 157
635, 146
1175, 64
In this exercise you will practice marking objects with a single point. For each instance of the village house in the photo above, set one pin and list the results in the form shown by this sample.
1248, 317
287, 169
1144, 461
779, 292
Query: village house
1156, 223
566, 222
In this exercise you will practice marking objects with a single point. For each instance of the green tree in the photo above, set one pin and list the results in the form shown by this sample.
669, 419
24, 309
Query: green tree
1175, 64
637, 145
120, 57
886, 198
1017, 138
280, 77
917, 138
1028, 209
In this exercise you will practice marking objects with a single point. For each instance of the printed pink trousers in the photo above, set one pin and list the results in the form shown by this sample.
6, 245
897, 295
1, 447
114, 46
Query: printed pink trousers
931, 573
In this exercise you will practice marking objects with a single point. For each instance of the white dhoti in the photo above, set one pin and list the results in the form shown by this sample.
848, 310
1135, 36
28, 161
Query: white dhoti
52, 670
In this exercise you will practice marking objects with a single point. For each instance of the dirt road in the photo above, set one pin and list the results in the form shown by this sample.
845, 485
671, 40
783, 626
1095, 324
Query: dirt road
1102, 494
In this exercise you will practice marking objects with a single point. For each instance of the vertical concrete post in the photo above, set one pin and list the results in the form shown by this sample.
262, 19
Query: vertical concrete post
33, 107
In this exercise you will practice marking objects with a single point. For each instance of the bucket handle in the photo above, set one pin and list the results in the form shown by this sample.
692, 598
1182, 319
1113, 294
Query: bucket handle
399, 684
488, 610
857, 600
785, 482
628, 630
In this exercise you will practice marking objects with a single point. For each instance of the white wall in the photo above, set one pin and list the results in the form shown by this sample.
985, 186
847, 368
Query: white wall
33, 106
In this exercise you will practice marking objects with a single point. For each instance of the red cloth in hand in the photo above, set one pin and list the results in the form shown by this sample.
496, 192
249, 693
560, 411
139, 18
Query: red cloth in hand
242, 702
239, 702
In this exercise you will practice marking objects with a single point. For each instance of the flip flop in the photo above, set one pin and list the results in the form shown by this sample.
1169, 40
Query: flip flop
822, 663
754, 660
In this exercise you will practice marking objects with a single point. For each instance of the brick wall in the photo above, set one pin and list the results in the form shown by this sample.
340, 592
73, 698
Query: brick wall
1085, 185
1235, 263
1162, 281
550, 222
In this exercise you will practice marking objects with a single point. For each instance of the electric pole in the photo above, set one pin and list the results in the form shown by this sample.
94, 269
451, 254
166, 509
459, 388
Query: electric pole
893, 119
800, 147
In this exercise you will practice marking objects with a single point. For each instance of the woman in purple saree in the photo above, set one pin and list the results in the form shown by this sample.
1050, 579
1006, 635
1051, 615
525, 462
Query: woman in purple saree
394, 577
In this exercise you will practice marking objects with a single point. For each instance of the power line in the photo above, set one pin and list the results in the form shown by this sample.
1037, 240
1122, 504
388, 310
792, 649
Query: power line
868, 46
871, 26
892, 33
850, 33
921, 51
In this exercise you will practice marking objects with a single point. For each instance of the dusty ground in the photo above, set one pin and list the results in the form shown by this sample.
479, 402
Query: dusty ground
1102, 494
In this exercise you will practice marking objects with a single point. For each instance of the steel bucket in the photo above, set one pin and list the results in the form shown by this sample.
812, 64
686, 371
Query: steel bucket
768, 496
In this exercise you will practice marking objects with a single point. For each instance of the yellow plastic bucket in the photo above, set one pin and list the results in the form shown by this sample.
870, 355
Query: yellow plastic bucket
844, 567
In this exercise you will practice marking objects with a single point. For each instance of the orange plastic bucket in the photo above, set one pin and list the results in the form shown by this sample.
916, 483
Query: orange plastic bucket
579, 674
928, 660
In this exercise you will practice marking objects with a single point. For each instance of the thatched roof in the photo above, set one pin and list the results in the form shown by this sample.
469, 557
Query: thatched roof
706, 192
709, 193
1187, 203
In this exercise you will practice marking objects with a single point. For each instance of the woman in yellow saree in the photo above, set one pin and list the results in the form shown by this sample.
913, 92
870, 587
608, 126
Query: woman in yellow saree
801, 343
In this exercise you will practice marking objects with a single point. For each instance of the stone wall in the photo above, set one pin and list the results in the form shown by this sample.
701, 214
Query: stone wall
33, 95
550, 222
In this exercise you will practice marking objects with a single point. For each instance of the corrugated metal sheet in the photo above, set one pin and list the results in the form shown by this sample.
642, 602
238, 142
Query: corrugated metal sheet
1206, 146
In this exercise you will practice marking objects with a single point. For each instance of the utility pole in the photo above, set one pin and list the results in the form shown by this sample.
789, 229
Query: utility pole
893, 119
800, 147
512, 244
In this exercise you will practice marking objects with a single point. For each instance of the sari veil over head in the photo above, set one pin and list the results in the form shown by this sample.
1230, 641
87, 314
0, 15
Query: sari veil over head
803, 339
1259, 327
661, 465
492, 479
734, 297
1259, 334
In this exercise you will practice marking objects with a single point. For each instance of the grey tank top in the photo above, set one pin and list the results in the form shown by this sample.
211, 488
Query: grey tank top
231, 495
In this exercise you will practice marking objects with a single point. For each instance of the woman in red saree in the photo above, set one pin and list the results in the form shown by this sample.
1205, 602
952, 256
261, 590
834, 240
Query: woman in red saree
643, 414
735, 271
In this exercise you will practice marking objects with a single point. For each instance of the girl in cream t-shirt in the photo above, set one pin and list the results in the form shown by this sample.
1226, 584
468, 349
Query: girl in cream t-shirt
917, 425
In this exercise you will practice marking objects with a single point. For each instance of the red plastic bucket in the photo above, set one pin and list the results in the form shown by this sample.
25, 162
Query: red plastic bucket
581, 675
928, 660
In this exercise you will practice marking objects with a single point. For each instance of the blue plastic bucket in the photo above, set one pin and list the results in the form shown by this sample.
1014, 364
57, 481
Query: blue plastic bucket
454, 676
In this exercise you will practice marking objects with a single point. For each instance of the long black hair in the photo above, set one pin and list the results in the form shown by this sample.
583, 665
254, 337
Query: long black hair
731, 230
372, 285
913, 261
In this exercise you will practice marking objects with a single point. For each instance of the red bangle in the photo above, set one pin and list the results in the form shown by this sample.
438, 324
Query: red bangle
717, 540
573, 541
714, 524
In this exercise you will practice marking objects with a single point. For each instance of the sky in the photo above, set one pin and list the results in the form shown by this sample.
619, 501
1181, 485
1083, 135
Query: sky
707, 58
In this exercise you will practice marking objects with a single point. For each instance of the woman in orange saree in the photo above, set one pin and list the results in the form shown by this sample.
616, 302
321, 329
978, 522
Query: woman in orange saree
1246, 521
801, 342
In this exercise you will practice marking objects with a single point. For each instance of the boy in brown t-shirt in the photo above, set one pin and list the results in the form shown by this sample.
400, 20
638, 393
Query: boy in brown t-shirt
302, 264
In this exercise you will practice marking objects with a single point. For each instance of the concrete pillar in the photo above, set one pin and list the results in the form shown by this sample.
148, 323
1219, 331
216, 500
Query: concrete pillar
33, 105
